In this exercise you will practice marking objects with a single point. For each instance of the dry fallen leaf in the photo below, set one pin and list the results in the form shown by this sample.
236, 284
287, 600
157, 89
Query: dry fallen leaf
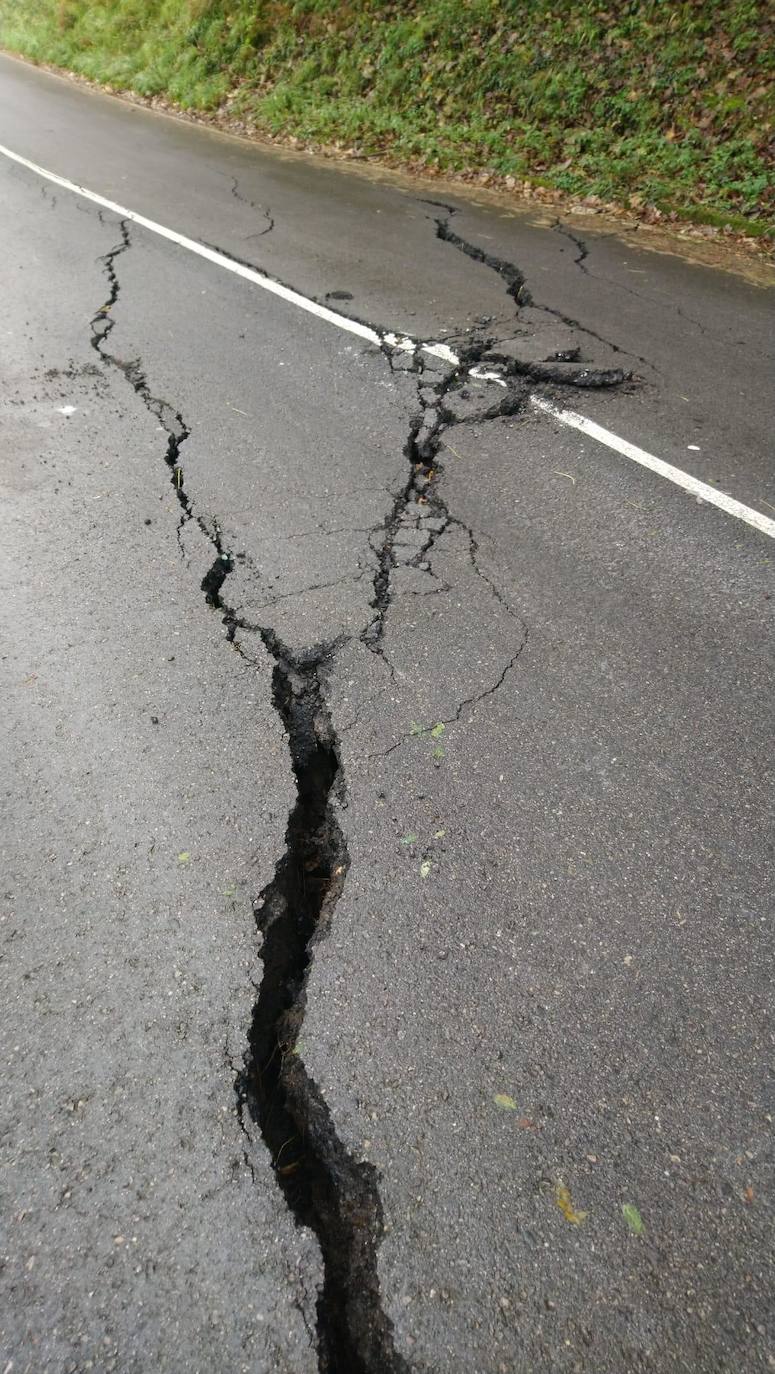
563, 1199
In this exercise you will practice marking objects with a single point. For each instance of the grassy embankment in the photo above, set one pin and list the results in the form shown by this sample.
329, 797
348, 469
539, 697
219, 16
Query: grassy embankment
664, 104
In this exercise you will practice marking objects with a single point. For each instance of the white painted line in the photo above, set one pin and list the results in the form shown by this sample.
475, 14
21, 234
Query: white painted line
647, 460
363, 331
267, 283
482, 375
406, 344
441, 350
400, 341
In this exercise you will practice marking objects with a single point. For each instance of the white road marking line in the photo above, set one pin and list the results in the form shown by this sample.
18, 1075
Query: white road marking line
363, 331
647, 460
406, 344
482, 375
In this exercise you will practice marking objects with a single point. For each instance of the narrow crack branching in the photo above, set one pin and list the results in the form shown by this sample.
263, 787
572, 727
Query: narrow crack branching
451, 397
372, 634
245, 200
325, 1188
612, 284
582, 252
520, 293
419, 502
511, 274
476, 697
420, 499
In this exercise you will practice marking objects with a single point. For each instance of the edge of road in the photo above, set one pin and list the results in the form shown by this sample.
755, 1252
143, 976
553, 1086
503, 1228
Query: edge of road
404, 344
723, 253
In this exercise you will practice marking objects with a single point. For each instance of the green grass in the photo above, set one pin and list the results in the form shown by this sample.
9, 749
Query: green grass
664, 103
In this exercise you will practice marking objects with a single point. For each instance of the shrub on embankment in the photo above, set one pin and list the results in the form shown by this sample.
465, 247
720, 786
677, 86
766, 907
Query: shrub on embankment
661, 103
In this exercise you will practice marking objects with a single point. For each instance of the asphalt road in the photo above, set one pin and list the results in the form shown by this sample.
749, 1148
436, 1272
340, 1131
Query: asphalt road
387, 775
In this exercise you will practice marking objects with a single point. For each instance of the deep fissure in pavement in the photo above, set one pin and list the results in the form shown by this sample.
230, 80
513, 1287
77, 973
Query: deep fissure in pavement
324, 1187
327, 1190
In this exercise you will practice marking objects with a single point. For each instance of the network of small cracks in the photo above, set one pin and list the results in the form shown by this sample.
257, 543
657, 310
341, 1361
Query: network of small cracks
440, 410
522, 296
423, 489
324, 1187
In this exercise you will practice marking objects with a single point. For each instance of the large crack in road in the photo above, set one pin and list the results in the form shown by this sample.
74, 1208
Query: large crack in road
323, 1186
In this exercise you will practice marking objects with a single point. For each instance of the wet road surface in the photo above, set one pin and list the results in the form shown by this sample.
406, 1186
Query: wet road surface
387, 775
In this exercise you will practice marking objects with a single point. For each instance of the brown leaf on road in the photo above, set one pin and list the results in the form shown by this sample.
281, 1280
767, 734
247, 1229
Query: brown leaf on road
565, 1203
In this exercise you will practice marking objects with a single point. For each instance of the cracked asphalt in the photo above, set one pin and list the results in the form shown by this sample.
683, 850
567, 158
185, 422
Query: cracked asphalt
387, 778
